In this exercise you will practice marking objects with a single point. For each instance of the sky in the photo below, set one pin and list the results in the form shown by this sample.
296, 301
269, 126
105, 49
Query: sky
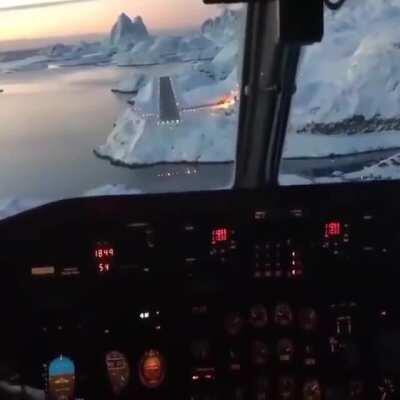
38, 19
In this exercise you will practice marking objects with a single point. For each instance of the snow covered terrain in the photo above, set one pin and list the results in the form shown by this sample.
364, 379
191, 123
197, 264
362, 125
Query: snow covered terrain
200, 137
129, 44
206, 95
131, 84
126, 32
318, 145
13, 206
349, 84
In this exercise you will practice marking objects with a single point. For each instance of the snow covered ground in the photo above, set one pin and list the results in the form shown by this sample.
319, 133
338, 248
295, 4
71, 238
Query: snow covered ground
202, 136
13, 206
316, 146
205, 94
355, 70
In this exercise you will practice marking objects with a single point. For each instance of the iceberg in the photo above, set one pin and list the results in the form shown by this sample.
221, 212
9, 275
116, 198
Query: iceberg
126, 32
27, 64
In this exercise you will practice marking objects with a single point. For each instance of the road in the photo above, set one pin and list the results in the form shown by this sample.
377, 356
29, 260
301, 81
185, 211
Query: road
169, 112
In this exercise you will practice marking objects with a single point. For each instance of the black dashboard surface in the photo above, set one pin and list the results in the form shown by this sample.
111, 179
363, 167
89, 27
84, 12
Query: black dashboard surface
285, 295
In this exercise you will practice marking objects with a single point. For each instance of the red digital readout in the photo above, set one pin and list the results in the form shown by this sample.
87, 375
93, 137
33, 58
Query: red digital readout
220, 235
333, 229
104, 254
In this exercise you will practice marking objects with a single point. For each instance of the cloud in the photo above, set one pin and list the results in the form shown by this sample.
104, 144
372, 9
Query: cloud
42, 4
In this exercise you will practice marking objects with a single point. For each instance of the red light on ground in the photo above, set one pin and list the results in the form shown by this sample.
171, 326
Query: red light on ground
220, 235
333, 229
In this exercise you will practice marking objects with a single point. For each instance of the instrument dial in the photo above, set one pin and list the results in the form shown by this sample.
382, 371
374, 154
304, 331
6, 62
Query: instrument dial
285, 350
233, 323
312, 390
286, 388
259, 353
118, 371
308, 319
61, 379
283, 315
152, 369
258, 316
201, 350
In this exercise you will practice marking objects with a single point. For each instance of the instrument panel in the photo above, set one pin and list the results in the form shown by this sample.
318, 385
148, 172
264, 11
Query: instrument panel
205, 297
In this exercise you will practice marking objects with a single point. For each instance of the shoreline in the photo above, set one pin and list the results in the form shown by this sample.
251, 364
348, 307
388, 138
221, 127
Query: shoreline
137, 166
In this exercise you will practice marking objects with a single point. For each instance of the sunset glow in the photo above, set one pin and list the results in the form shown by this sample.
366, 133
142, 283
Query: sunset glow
38, 19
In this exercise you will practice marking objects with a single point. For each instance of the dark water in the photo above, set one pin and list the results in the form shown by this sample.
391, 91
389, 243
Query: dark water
50, 122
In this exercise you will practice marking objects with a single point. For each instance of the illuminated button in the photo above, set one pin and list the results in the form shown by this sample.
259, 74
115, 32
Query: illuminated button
285, 350
118, 371
258, 316
283, 315
259, 353
308, 319
61, 380
312, 390
233, 323
152, 369
286, 388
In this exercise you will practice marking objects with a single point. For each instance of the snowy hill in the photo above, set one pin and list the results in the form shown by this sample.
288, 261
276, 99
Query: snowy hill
206, 131
126, 32
164, 49
355, 71
223, 28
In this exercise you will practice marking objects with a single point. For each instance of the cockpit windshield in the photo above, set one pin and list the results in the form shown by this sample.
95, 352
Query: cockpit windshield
102, 97
345, 118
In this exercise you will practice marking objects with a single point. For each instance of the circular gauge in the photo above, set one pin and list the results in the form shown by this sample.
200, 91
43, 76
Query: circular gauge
285, 350
310, 356
262, 388
233, 323
200, 350
152, 369
259, 353
118, 371
258, 316
308, 319
286, 388
283, 314
61, 381
312, 390
356, 390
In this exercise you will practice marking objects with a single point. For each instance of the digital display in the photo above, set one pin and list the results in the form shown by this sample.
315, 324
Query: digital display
220, 235
104, 252
104, 255
333, 229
